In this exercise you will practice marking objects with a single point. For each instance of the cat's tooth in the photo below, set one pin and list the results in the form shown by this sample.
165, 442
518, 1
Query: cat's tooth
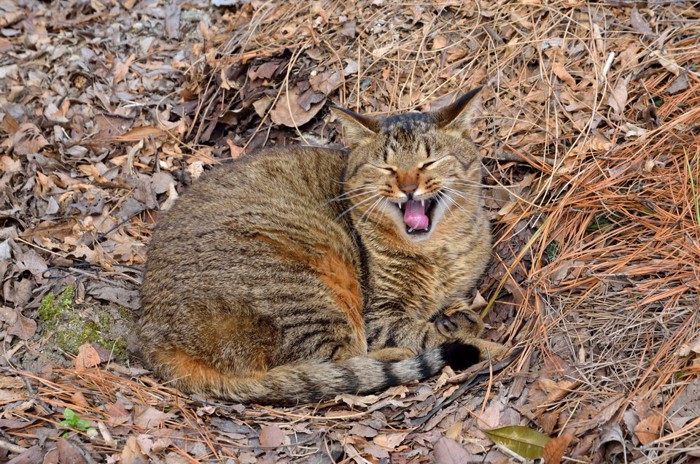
422, 203
410, 230
400, 205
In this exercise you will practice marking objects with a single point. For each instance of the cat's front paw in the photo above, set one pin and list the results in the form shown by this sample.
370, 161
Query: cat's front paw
458, 322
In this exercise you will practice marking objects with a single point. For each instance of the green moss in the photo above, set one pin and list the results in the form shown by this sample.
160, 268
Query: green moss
52, 306
69, 327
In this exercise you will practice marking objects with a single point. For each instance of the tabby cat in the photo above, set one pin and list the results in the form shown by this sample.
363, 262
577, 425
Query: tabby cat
296, 274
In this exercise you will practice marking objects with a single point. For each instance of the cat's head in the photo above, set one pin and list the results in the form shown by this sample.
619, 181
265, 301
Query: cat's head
412, 171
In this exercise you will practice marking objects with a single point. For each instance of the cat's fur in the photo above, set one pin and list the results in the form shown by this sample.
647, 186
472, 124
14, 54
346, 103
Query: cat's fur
290, 276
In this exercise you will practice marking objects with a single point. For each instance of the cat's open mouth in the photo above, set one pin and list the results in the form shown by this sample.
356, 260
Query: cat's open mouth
417, 215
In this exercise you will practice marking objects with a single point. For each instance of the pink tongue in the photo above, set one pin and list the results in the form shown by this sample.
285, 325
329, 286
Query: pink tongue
414, 216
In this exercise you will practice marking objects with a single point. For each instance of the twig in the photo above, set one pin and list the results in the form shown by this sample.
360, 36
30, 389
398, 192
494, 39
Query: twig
12, 447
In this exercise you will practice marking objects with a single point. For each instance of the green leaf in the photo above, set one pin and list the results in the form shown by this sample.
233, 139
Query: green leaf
70, 415
82, 424
521, 440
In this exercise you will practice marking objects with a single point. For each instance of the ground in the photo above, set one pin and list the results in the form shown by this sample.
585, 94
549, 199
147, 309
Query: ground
588, 125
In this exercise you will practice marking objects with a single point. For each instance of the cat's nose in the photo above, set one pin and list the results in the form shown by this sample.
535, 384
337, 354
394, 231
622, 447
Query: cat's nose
408, 188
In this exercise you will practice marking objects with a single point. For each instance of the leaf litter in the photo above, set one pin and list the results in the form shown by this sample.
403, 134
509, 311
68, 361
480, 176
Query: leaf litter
588, 127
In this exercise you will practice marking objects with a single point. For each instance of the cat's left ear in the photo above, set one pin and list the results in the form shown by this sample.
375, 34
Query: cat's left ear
457, 117
358, 128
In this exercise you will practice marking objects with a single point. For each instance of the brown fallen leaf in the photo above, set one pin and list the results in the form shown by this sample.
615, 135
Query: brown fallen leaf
448, 451
9, 124
69, 452
131, 454
172, 20
563, 74
23, 327
264, 71
326, 82
271, 436
140, 133
639, 23
31, 456
289, 112
390, 440
667, 62
555, 448
236, 151
121, 68
618, 97
648, 430
150, 418
87, 357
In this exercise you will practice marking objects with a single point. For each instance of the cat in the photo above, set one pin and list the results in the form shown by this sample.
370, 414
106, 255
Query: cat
295, 274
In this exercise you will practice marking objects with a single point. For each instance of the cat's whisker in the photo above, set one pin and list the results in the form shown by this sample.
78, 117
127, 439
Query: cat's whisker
473, 184
357, 195
464, 195
442, 202
469, 183
447, 197
358, 204
366, 215
357, 191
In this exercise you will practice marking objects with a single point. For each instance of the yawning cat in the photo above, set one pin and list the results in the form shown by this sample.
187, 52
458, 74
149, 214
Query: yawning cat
295, 274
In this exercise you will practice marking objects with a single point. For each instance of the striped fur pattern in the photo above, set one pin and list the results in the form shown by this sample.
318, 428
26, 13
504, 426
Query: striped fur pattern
295, 274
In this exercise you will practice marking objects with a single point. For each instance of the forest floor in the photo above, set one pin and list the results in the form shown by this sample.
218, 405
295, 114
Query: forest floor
588, 125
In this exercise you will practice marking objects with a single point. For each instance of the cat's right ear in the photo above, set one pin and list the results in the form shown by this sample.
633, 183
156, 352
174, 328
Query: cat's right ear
358, 128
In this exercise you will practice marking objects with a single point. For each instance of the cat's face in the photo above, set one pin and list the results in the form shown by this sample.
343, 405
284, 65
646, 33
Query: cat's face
410, 173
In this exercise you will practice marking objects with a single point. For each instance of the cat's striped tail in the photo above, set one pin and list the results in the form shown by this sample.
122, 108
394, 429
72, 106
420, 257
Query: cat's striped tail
313, 381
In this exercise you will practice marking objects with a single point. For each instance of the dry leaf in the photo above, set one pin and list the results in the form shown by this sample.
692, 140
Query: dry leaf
139, 133
87, 357
289, 112
131, 453
667, 62
454, 431
326, 82
78, 399
23, 327
271, 436
563, 74
264, 71
556, 447
69, 452
151, 418
121, 68
8, 123
679, 84
448, 451
235, 150
639, 23
618, 97
648, 430
172, 20
390, 440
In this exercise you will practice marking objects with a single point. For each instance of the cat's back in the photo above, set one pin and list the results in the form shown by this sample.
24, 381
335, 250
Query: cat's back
275, 181
267, 212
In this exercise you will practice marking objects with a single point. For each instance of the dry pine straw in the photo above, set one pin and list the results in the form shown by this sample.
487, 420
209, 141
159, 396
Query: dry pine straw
591, 166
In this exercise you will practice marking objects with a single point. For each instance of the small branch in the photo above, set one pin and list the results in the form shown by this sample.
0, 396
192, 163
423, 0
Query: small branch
11, 447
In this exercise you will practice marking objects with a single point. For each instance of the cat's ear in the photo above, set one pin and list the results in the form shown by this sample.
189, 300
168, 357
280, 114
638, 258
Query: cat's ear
458, 116
358, 128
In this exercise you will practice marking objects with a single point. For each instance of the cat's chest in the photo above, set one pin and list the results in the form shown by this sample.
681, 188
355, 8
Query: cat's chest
416, 281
